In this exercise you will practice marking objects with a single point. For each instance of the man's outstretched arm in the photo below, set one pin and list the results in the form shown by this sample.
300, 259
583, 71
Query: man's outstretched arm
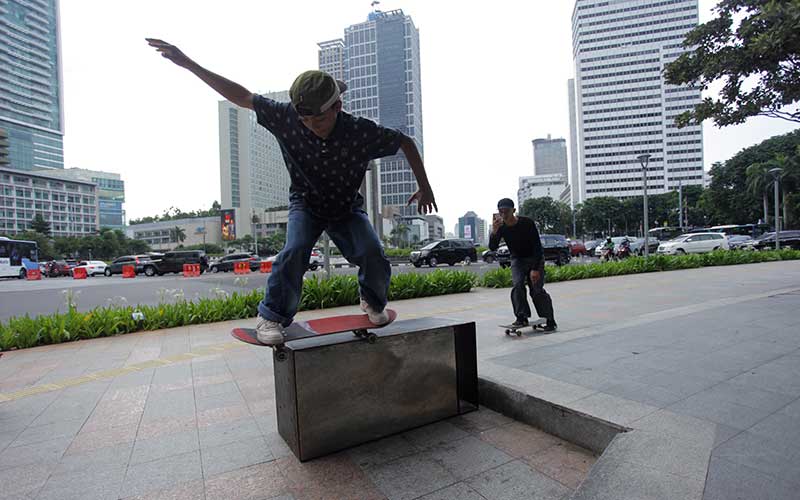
231, 91
426, 203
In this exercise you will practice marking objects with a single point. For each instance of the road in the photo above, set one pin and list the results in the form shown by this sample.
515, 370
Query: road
20, 297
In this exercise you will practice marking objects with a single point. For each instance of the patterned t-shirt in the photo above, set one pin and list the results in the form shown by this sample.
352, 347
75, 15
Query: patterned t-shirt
326, 172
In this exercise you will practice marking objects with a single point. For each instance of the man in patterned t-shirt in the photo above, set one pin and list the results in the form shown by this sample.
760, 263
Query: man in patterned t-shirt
326, 151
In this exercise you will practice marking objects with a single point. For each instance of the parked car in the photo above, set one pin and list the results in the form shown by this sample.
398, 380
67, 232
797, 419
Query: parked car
316, 259
789, 239
56, 268
228, 262
737, 241
556, 248
637, 245
93, 267
694, 243
591, 245
137, 261
447, 251
172, 262
577, 248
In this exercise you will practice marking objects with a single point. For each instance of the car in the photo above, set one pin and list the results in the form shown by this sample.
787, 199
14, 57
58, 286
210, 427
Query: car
591, 245
737, 241
137, 261
56, 268
228, 262
93, 267
556, 249
172, 262
788, 239
577, 248
448, 251
637, 245
316, 259
694, 243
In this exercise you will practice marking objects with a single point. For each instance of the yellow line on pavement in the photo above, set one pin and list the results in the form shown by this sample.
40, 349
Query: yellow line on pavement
108, 374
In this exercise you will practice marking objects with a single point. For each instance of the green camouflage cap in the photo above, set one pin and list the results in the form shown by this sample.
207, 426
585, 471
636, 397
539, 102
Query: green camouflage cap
314, 92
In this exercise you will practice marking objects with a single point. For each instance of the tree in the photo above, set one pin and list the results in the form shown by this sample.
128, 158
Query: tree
177, 234
764, 46
758, 181
39, 225
550, 216
400, 235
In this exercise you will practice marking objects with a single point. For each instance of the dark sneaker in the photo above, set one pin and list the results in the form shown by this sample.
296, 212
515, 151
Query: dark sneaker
550, 327
520, 322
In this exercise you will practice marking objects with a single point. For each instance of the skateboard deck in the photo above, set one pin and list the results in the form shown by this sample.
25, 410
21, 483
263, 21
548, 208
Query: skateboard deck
533, 325
359, 324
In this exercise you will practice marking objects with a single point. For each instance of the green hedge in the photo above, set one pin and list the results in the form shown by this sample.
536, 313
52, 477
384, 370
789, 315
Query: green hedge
501, 278
22, 332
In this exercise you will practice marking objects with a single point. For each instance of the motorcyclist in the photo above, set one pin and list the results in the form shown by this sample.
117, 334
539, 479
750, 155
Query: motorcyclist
608, 249
624, 248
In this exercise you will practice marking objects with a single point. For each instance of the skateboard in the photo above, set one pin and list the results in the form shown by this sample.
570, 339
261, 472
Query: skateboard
359, 324
533, 325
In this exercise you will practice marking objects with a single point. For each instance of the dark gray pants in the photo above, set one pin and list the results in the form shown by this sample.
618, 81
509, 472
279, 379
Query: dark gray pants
521, 277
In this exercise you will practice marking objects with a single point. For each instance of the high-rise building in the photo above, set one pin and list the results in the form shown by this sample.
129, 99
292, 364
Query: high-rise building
550, 156
69, 206
575, 181
110, 193
31, 102
471, 227
624, 106
543, 186
253, 175
3, 148
381, 66
331, 58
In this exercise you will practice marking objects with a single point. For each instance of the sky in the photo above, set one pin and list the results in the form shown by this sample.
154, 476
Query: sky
493, 79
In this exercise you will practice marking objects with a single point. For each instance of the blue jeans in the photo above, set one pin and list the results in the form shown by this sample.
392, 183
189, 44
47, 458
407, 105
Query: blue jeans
353, 235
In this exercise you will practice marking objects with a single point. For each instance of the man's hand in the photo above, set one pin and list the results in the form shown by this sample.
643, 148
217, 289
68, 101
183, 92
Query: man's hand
171, 52
534, 276
426, 204
496, 223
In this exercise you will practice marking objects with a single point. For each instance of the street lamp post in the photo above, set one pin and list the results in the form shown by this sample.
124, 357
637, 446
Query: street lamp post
776, 177
680, 204
644, 159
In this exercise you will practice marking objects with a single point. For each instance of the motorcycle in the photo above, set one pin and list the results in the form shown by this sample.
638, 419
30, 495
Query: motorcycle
606, 255
624, 251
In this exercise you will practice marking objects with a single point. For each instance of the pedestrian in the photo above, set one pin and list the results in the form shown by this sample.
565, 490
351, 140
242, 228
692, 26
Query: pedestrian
326, 151
527, 264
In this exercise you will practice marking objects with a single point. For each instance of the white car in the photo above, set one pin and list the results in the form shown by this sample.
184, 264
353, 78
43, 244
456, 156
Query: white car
616, 240
93, 267
694, 243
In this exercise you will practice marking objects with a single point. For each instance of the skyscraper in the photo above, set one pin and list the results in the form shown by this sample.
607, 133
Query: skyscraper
381, 66
31, 102
331, 58
550, 156
624, 106
253, 175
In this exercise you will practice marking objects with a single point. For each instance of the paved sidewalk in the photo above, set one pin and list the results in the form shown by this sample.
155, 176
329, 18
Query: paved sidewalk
702, 365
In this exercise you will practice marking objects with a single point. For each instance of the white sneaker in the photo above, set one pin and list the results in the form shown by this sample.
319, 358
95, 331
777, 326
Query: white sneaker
376, 318
269, 332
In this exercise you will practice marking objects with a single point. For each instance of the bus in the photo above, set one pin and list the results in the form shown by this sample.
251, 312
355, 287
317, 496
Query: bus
752, 230
664, 233
16, 257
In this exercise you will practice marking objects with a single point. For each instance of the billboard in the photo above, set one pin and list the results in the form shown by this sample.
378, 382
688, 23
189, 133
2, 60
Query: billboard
228, 224
468, 232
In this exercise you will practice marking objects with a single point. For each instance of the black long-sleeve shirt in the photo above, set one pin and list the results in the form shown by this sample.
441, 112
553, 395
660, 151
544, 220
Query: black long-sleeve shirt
522, 239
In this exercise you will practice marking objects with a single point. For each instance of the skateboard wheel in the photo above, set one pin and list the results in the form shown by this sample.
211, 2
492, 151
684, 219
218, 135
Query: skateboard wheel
372, 338
519, 334
280, 355
508, 332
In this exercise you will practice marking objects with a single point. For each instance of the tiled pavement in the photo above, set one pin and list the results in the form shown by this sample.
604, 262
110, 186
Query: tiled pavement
702, 365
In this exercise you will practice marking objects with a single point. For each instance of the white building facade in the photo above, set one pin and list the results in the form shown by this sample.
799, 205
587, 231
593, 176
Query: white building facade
69, 206
253, 175
624, 107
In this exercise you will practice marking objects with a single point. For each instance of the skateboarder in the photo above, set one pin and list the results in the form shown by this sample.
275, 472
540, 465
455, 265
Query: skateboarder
527, 263
327, 152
